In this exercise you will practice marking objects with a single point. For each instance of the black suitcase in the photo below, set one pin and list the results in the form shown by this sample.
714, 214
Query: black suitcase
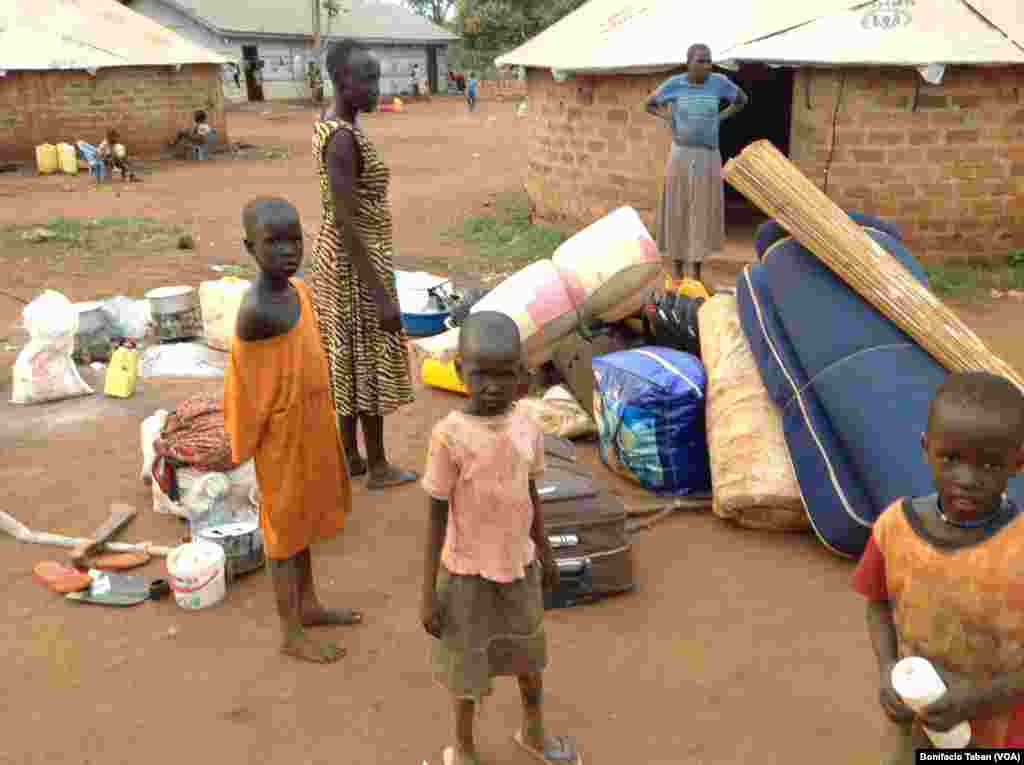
586, 527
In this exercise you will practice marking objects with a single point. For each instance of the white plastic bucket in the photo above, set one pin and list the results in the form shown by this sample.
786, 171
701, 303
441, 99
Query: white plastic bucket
196, 574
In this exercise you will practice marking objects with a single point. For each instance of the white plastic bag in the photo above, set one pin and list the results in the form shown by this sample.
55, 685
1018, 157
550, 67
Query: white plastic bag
128, 318
182, 360
44, 370
200, 490
151, 429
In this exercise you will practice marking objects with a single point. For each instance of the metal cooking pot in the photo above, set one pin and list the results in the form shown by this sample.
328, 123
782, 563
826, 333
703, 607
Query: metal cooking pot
90, 317
172, 300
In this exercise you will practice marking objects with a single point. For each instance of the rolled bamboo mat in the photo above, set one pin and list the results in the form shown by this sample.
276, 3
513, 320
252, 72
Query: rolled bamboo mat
764, 175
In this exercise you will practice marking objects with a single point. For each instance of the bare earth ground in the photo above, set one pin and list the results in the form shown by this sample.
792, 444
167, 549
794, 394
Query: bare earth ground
736, 647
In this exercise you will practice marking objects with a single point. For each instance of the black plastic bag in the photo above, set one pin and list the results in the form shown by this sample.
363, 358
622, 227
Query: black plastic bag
671, 322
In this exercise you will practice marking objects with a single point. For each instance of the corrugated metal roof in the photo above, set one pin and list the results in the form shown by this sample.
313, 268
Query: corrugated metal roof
931, 31
88, 34
652, 35
360, 20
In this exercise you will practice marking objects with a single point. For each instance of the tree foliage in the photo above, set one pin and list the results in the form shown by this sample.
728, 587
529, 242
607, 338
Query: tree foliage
437, 11
497, 25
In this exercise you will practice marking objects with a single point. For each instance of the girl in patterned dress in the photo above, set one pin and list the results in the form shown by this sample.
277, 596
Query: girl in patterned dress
353, 275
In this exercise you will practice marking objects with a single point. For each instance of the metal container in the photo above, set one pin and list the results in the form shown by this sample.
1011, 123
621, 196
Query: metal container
176, 313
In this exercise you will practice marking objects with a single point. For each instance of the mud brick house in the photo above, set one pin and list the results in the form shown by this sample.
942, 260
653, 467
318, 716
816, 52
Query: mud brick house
71, 68
908, 109
275, 39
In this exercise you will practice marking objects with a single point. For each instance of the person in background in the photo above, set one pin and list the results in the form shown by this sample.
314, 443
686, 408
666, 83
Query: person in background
353, 273
113, 154
487, 557
471, 86
196, 135
278, 411
691, 216
943, 574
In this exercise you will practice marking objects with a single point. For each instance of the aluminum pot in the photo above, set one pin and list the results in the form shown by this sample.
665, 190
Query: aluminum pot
172, 300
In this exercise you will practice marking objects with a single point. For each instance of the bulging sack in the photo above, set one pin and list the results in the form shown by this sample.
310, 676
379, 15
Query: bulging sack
44, 370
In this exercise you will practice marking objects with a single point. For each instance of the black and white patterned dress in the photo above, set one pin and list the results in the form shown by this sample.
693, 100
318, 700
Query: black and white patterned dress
369, 368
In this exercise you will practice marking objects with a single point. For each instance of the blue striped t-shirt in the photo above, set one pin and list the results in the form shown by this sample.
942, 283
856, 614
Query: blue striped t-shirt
695, 107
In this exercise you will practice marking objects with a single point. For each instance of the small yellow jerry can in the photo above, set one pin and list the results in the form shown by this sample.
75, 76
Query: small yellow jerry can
442, 375
122, 372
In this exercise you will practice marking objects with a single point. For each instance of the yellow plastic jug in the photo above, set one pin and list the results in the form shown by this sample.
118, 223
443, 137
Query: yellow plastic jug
67, 157
690, 288
439, 374
46, 159
122, 373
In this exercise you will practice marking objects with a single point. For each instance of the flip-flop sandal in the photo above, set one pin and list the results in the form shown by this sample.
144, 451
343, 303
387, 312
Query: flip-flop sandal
565, 753
406, 476
121, 561
61, 578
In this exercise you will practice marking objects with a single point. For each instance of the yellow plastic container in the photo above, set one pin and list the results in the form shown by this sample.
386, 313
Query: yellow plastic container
67, 158
46, 159
690, 288
122, 373
439, 374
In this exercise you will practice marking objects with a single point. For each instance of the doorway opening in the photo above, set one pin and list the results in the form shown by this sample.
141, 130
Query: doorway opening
253, 68
768, 115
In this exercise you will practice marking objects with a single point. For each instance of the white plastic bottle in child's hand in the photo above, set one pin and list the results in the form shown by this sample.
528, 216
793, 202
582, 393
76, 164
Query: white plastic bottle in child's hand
919, 685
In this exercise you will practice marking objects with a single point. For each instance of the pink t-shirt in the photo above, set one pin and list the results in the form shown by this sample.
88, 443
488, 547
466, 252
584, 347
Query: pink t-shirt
482, 466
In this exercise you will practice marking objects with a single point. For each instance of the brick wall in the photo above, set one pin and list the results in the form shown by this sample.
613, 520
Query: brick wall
593, 148
147, 104
500, 89
950, 173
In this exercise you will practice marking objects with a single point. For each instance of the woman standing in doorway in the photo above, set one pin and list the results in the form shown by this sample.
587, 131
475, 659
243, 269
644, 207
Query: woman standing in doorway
691, 217
353, 276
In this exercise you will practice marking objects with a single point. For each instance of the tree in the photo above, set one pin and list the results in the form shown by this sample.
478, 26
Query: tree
496, 25
435, 10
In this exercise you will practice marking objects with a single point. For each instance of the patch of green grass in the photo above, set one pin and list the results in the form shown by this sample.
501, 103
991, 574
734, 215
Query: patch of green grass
65, 229
961, 281
506, 240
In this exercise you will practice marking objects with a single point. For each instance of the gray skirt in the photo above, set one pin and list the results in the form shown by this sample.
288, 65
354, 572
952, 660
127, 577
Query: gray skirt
489, 630
691, 217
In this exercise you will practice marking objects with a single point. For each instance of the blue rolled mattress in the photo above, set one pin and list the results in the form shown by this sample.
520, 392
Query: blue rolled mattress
853, 388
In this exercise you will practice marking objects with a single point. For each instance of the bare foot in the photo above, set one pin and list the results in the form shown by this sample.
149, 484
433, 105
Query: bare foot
330, 617
301, 646
388, 476
454, 756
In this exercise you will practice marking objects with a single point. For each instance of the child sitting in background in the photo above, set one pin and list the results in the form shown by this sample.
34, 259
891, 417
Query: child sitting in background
112, 153
482, 587
196, 135
944, 574
278, 409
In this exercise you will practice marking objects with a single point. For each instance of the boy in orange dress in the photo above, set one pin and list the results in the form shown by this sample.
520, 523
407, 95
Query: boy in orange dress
278, 410
944, 574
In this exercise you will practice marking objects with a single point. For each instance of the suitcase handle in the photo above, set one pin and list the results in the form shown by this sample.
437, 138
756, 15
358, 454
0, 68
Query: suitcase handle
558, 541
574, 568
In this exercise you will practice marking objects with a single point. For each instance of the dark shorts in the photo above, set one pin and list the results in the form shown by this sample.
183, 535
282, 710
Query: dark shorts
490, 630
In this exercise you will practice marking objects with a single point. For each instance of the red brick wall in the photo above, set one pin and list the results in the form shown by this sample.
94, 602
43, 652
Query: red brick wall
500, 89
147, 104
951, 173
592, 152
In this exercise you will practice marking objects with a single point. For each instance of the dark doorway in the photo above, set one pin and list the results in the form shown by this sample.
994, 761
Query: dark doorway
253, 70
768, 115
432, 68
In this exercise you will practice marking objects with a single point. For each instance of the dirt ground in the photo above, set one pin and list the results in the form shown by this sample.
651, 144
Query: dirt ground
736, 647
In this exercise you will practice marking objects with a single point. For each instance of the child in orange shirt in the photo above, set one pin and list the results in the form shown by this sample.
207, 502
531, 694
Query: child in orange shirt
278, 409
944, 574
482, 587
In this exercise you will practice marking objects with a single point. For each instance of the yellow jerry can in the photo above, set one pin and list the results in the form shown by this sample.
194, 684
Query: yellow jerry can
46, 159
67, 158
122, 373
439, 374
690, 288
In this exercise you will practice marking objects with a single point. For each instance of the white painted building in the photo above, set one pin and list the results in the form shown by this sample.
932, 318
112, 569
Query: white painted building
277, 36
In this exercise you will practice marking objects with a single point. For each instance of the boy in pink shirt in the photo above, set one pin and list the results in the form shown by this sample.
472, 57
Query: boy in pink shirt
482, 588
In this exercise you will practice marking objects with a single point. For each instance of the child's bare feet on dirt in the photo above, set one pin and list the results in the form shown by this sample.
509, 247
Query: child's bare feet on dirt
330, 617
302, 646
